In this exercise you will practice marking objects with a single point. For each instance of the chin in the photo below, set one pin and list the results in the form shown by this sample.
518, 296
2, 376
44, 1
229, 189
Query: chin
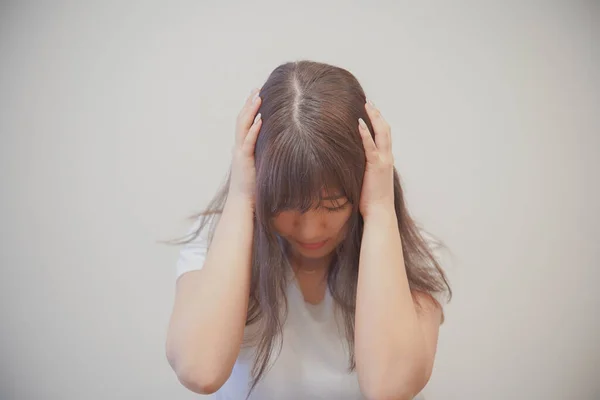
313, 254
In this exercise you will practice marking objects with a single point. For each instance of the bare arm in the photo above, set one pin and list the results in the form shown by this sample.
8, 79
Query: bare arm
395, 343
207, 324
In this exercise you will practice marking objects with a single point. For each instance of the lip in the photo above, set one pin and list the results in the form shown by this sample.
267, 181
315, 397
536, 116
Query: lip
312, 246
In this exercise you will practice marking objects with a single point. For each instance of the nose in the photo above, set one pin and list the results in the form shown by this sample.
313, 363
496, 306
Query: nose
310, 227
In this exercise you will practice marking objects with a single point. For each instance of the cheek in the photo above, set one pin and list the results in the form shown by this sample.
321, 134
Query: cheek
284, 223
337, 221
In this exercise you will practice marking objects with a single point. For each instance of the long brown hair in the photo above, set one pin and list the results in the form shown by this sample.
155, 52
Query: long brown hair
309, 140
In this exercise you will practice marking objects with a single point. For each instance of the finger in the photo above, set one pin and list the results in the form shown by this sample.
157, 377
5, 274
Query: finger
383, 136
371, 150
247, 115
250, 139
251, 96
250, 104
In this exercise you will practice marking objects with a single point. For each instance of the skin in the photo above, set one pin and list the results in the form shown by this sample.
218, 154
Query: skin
395, 341
217, 295
326, 222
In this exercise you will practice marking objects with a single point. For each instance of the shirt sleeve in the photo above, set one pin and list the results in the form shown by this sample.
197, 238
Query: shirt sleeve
193, 253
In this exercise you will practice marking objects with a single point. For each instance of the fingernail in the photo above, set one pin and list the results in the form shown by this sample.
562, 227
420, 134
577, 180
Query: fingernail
362, 123
255, 97
370, 103
256, 119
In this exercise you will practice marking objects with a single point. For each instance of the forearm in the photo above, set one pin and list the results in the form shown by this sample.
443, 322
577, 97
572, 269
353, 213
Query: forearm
210, 313
388, 339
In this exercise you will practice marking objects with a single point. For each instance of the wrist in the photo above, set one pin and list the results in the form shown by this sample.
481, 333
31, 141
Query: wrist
380, 213
240, 203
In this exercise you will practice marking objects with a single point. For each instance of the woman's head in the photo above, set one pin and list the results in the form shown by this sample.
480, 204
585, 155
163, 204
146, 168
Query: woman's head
309, 157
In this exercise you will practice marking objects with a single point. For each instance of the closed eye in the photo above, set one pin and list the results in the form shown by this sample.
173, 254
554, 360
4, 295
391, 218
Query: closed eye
332, 209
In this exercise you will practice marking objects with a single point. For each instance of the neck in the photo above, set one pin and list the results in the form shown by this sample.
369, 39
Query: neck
303, 265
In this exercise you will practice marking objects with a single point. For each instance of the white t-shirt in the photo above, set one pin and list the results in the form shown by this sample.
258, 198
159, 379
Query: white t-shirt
313, 362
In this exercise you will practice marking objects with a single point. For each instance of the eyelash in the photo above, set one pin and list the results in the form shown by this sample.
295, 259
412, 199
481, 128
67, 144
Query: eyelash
327, 209
336, 208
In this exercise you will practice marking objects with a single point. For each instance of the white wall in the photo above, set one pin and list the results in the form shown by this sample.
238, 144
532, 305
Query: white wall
108, 117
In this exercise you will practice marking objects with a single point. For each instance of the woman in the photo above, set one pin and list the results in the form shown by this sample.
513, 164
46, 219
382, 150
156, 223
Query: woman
312, 282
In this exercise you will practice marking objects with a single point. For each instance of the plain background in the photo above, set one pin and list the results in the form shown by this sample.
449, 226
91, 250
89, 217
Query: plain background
117, 123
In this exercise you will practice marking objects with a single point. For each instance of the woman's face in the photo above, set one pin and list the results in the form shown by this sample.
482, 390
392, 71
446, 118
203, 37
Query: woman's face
316, 233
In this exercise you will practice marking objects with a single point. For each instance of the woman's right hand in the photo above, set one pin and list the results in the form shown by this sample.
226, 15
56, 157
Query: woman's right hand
243, 172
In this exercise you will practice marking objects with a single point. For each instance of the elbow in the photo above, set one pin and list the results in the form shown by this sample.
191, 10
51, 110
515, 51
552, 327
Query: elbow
388, 395
387, 391
396, 385
201, 380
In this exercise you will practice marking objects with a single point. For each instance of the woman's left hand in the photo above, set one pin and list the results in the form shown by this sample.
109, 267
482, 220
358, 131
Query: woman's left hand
378, 183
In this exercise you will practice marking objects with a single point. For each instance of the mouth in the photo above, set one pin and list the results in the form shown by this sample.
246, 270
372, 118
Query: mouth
312, 246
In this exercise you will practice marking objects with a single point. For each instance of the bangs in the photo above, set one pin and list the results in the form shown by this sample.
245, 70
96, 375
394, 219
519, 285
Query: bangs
299, 176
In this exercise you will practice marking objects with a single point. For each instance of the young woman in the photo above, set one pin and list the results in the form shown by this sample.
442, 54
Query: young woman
306, 277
